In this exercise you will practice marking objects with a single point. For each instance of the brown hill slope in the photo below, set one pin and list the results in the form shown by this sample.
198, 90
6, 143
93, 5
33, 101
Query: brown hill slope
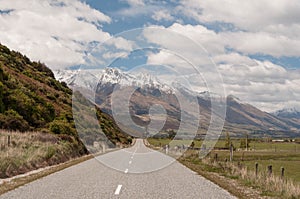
33, 102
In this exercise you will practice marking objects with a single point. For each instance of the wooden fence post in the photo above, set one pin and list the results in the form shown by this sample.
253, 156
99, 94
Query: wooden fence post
8, 140
231, 153
270, 170
282, 172
216, 157
256, 169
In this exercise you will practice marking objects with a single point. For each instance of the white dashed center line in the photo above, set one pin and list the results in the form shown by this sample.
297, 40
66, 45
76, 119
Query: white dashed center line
130, 162
117, 192
126, 171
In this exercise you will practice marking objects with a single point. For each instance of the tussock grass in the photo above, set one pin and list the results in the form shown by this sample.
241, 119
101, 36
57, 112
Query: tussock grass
31, 150
242, 169
269, 185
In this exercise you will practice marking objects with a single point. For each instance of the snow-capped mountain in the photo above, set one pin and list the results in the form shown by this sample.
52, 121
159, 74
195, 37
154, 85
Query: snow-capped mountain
92, 78
86, 79
240, 117
288, 113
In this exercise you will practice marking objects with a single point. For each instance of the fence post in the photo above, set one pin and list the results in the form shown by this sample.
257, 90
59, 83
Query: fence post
243, 156
256, 169
282, 172
270, 170
231, 153
8, 140
216, 157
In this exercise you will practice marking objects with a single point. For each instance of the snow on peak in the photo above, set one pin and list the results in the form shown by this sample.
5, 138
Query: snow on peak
91, 78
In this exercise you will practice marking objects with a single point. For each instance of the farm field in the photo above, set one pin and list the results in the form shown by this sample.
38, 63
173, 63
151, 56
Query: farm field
286, 154
239, 176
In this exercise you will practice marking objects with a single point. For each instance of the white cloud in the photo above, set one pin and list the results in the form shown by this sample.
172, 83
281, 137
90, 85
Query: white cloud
268, 27
55, 32
233, 58
249, 15
263, 43
135, 2
149, 9
262, 83
121, 43
162, 15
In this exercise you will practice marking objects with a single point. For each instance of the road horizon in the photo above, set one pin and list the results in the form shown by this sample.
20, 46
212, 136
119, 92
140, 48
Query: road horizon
92, 179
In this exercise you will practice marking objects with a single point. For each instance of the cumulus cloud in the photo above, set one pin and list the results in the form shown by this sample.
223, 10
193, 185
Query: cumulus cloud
263, 43
248, 15
55, 32
262, 83
151, 9
162, 15
135, 2
267, 27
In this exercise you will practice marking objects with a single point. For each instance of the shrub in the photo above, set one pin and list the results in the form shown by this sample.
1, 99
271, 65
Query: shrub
11, 120
61, 127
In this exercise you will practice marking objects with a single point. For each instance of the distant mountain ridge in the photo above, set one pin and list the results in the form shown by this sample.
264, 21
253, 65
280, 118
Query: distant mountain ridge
241, 118
109, 76
288, 113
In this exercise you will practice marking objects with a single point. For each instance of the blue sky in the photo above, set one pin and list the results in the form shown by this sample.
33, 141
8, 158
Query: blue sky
120, 23
254, 44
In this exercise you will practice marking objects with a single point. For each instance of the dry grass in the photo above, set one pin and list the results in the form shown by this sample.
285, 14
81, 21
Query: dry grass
31, 150
269, 185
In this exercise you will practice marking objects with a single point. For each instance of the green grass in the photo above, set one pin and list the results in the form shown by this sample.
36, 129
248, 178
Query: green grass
242, 176
172, 143
254, 145
278, 155
292, 170
289, 160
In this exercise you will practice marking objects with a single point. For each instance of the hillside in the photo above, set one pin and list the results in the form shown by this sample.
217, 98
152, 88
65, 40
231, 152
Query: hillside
245, 118
34, 103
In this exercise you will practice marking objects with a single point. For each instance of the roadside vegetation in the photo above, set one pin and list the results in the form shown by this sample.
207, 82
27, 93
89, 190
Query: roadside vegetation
23, 152
37, 127
242, 170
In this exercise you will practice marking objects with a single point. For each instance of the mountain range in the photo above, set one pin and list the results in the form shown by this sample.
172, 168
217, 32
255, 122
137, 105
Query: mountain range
241, 118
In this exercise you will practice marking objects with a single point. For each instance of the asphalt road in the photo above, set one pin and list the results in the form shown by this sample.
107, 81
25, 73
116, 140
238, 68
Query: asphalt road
137, 172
